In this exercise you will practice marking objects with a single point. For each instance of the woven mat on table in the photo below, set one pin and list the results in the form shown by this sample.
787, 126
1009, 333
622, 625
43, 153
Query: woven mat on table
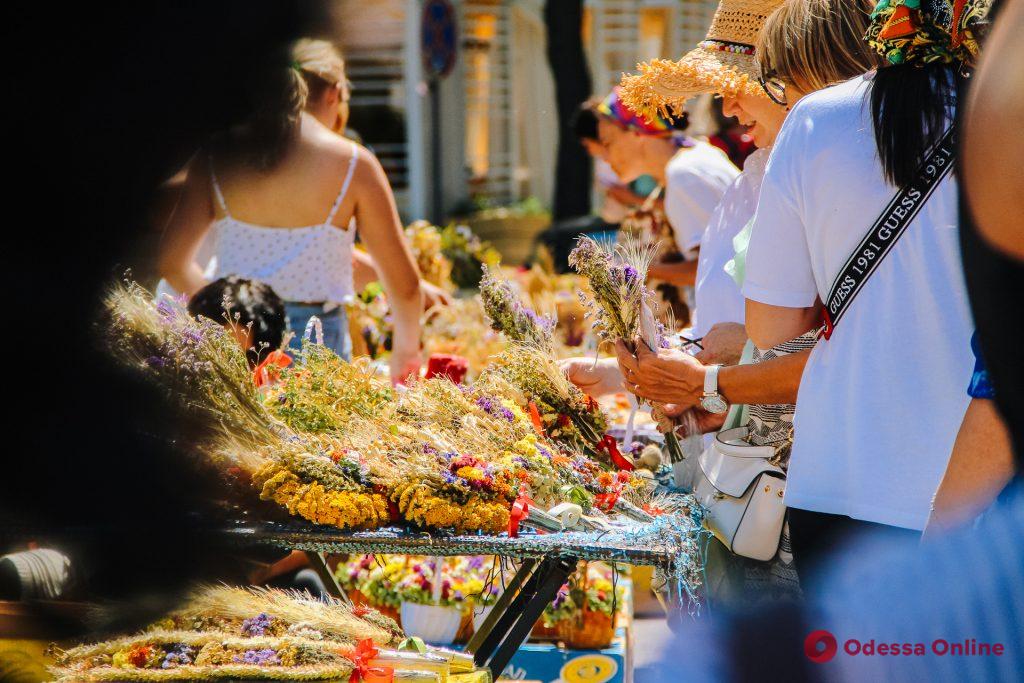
615, 545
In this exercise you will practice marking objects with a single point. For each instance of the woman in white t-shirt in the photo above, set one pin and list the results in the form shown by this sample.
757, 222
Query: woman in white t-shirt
695, 174
880, 401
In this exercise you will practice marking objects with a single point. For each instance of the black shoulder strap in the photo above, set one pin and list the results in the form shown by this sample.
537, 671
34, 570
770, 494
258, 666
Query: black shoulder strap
889, 227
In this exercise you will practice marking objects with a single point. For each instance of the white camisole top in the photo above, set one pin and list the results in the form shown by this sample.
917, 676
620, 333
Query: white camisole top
311, 264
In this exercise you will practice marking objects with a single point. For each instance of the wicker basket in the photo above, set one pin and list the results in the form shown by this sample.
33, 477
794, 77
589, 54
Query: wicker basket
465, 631
542, 632
593, 632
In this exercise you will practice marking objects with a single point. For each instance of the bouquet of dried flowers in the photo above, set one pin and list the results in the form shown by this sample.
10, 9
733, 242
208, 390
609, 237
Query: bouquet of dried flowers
199, 362
237, 633
370, 322
559, 409
427, 247
205, 370
322, 392
468, 255
508, 314
621, 303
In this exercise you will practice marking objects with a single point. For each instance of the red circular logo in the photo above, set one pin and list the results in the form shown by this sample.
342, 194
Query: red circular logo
820, 646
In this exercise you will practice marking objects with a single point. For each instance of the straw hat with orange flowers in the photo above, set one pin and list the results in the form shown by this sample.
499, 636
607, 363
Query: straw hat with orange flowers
722, 63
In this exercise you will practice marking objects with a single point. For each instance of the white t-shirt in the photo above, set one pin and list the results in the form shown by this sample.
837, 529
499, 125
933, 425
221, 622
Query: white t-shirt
718, 297
880, 403
695, 180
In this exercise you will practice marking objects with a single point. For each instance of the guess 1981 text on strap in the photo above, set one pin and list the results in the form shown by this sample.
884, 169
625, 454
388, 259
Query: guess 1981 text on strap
889, 227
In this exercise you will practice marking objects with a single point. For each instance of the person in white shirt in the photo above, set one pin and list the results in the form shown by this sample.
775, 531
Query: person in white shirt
881, 400
695, 175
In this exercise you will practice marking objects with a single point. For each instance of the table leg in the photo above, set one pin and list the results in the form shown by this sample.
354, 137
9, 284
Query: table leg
515, 584
514, 626
318, 563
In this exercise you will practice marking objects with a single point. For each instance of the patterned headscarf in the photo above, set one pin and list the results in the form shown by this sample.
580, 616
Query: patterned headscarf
612, 109
927, 31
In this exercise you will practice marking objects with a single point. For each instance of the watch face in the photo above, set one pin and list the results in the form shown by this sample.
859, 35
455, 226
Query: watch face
714, 404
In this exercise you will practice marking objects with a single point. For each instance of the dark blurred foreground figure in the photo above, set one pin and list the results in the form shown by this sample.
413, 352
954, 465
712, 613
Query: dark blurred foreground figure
937, 615
94, 466
991, 231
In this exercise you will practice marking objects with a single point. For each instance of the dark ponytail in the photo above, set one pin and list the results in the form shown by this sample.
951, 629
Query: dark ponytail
275, 97
911, 107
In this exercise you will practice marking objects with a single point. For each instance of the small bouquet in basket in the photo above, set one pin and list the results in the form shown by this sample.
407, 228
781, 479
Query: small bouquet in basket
622, 304
427, 246
468, 255
373, 580
439, 595
583, 613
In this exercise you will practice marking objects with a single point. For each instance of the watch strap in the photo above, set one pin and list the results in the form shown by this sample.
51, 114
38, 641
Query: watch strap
711, 380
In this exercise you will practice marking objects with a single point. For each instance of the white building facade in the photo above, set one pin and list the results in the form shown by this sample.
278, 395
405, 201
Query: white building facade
497, 129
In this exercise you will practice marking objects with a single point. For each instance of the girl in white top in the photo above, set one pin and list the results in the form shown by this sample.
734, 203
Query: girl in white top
279, 197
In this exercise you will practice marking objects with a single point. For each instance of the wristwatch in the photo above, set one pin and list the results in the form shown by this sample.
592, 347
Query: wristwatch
711, 400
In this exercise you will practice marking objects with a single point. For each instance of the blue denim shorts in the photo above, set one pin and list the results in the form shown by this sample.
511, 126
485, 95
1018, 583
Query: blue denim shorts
335, 324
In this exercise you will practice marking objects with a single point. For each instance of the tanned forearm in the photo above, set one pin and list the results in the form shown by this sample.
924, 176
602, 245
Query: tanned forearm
680, 274
772, 381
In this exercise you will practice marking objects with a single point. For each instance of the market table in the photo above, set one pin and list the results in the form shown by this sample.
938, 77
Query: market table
547, 562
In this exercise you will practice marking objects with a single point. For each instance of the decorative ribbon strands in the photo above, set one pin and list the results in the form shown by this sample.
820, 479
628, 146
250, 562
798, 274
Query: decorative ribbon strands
363, 671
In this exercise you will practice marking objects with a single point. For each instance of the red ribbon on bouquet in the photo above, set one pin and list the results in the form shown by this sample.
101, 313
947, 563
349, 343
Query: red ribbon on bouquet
606, 501
538, 424
269, 370
611, 447
365, 653
520, 511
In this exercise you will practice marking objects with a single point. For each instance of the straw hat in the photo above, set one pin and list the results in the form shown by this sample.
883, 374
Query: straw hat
723, 63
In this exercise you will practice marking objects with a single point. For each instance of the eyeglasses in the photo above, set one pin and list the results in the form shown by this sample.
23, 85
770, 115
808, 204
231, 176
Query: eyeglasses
774, 88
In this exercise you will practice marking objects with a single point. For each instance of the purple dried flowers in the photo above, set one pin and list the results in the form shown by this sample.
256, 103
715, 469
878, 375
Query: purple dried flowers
509, 316
257, 625
262, 657
182, 655
495, 409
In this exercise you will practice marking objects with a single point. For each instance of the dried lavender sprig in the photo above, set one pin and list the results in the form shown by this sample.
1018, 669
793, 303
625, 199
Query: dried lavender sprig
510, 316
621, 306
621, 302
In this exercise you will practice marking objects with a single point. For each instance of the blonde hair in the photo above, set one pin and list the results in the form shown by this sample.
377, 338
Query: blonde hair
817, 43
321, 65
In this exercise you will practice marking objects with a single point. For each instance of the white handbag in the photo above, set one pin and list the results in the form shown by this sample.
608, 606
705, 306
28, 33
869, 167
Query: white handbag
742, 489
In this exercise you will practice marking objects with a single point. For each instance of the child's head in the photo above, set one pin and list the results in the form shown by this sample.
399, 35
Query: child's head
251, 310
